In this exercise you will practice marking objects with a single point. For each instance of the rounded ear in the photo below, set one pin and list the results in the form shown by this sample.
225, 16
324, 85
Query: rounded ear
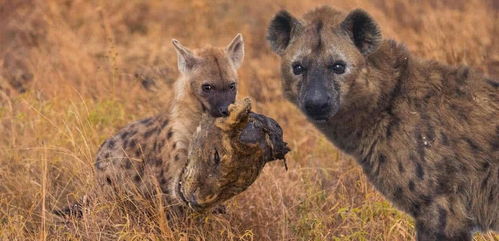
363, 31
235, 50
281, 30
185, 58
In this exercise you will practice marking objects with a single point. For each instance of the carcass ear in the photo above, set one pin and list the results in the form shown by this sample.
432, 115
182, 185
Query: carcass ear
235, 50
281, 30
363, 31
185, 58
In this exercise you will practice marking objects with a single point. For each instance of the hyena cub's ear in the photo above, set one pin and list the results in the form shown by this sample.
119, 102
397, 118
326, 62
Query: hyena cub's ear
185, 58
235, 50
363, 31
281, 30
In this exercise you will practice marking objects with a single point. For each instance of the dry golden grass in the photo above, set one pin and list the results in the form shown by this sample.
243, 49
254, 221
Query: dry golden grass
72, 72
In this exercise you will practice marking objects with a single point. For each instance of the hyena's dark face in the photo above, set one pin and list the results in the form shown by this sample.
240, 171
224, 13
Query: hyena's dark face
322, 56
211, 75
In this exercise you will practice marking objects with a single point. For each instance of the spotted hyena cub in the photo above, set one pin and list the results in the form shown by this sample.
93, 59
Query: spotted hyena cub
151, 155
425, 134
153, 152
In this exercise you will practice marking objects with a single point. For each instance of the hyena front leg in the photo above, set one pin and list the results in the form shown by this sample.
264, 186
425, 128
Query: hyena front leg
176, 164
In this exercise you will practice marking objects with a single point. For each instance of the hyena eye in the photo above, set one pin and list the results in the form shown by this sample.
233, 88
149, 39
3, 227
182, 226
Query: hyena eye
207, 87
298, 69
232, 86
338, 68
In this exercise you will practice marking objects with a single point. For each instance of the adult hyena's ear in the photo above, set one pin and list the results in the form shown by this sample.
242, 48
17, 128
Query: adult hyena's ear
363, 31
235, 50
185, 58
281, 30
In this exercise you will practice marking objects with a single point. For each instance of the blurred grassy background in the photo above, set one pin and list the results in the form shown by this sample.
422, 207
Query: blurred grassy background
73, 72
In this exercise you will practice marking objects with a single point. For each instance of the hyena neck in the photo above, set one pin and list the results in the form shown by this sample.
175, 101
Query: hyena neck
185, 115
371, 115
186, 110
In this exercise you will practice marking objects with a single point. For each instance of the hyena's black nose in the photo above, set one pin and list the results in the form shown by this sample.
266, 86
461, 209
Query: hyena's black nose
223, 110
318, 104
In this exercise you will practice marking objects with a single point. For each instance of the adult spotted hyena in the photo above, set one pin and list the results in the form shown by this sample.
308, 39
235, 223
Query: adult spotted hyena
425, 134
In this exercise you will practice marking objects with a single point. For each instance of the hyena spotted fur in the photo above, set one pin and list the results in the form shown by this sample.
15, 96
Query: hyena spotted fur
425, 134
152, 153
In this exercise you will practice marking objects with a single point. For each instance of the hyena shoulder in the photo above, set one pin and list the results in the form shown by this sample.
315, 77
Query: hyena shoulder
437, 140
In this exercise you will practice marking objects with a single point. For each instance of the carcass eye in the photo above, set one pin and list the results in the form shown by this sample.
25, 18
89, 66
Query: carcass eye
216, 158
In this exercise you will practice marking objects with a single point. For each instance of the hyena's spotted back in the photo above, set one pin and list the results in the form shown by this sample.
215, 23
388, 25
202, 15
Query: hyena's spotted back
136, 154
